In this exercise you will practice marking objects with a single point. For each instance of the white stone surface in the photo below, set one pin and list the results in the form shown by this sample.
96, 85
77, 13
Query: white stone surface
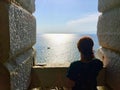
112, 62
109, 30
20, 70
22, 30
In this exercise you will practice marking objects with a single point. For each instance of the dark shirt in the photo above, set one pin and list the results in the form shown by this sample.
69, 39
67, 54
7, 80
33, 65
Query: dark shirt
84, 74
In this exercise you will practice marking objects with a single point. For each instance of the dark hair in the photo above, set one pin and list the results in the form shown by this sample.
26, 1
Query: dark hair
85, 46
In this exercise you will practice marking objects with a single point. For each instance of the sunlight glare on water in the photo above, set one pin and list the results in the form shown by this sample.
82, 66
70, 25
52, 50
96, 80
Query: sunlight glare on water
59, 38
59, 50
59, 45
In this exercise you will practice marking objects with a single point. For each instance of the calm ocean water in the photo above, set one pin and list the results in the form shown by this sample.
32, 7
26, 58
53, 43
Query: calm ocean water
59, 49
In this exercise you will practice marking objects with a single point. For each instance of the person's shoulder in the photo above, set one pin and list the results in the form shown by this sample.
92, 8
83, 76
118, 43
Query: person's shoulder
98, 61
75, 63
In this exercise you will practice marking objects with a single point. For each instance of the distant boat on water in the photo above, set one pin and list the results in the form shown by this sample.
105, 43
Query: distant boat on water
48, 47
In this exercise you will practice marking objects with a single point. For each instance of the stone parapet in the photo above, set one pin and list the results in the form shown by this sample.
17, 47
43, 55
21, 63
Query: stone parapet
109, 29
20, 69
48, 78
105, 5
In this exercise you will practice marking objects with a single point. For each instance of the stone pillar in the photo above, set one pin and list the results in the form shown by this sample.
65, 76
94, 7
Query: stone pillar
109, 39
17, 37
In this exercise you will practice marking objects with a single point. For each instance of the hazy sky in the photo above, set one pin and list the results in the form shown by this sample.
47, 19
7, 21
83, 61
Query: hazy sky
66, 16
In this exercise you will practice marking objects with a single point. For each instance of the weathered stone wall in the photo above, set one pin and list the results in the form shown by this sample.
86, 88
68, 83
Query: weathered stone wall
17, 37
109, 38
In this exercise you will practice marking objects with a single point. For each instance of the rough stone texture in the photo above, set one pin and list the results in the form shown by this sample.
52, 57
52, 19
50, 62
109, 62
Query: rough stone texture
109, 39
17, 31
4, 33
17, 36
27, 4
22, 28
112, 62
109, 29
105, 5
20, 69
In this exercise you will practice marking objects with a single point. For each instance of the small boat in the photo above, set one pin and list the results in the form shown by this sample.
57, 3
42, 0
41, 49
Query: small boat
48, 47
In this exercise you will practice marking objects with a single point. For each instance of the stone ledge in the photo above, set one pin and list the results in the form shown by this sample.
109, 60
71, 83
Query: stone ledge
50, 77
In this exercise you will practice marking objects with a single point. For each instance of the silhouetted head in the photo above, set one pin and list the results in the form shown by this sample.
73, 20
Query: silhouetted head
85, 46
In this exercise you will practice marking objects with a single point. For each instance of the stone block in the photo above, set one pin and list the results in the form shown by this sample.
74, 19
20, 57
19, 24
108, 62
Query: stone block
27, 4
4, 33
109, 30
20, 70
112, 61
17, 31
22, 30
105, 5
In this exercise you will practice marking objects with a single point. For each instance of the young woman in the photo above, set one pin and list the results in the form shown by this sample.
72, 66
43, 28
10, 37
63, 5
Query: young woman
82, 74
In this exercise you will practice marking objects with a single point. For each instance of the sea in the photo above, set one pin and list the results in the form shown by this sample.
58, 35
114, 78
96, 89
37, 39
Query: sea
59, 50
